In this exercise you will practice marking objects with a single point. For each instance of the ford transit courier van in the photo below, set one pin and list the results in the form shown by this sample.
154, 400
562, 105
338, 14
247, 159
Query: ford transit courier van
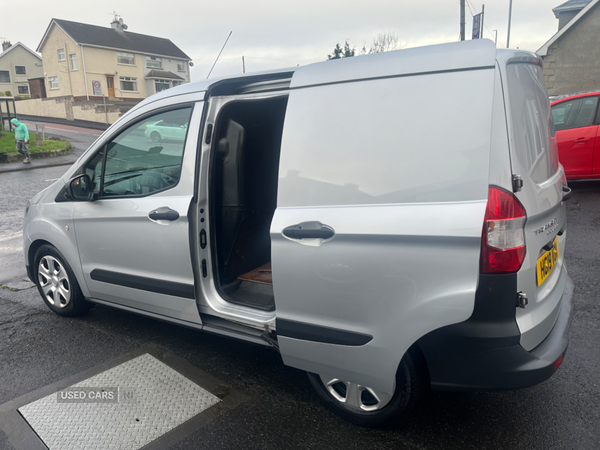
387, 222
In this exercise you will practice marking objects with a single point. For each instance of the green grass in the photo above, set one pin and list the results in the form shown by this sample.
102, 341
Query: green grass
8, 145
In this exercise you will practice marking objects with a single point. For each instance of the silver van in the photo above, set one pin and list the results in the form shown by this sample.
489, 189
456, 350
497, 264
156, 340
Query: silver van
387, 223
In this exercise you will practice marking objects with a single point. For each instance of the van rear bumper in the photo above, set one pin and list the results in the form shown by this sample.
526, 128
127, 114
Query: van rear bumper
480, 354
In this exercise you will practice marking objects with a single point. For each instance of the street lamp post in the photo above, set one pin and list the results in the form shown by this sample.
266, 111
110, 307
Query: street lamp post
509, 17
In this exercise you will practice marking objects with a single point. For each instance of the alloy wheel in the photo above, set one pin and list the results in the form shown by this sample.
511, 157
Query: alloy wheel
54, 281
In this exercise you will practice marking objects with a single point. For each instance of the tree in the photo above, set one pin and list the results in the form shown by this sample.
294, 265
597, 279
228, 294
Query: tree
339, 52
384, 42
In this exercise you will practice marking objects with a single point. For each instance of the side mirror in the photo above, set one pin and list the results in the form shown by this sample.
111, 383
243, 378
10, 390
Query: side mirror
81, 188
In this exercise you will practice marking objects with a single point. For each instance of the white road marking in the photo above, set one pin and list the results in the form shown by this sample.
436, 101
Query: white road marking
53, 179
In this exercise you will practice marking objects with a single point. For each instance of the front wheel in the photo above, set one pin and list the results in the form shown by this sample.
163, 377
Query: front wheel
56, 283
365, 406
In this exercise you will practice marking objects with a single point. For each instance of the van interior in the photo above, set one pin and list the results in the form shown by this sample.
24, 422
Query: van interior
244, 171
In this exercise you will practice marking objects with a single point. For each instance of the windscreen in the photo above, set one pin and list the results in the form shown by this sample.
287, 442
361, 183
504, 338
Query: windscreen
531, 121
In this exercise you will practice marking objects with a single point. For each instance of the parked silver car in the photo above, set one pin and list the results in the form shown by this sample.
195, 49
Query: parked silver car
385, 222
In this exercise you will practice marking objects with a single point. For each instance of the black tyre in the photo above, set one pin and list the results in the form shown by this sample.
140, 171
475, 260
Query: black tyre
56, 283
155, 136
366, 407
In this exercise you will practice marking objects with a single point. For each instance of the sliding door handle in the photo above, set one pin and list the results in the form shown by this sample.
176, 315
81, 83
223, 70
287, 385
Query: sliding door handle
309, 230
164, 213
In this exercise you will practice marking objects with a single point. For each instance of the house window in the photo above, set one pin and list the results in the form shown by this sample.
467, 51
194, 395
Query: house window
4, 76
61, 54
161, 85
23, 89
154, 63
176, 83
128, 84
53, 82
73, 59
20, 70
181, 67
126, 58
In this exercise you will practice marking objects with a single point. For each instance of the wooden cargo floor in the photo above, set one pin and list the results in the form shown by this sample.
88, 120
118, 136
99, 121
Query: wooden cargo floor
260, 275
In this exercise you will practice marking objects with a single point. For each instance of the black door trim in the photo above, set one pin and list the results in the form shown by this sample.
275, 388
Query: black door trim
144, 283
317, 333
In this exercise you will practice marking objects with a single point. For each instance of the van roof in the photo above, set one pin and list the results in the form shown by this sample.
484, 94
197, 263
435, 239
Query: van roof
456, 56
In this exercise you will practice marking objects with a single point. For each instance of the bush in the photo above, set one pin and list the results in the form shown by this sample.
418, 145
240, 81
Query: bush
8, 93
25, 97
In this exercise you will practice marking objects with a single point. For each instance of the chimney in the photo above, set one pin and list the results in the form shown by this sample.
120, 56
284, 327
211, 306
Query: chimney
6, 45
118, 25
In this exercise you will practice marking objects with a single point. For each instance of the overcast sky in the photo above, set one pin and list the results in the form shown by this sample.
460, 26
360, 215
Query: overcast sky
274, 34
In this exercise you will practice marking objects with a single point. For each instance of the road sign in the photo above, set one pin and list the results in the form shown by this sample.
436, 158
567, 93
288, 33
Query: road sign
477, 26
97, 87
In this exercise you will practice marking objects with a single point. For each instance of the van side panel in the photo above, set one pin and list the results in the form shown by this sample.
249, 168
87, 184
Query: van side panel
398, 167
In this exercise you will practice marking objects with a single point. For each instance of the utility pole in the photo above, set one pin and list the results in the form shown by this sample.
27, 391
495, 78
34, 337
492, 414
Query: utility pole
482, 15
462, 20
243, 64
509, 17
495, 37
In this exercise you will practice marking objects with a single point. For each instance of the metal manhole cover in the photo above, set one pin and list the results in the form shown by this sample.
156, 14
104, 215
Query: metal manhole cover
148, 400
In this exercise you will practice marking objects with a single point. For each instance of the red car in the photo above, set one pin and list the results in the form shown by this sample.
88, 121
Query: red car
577, 125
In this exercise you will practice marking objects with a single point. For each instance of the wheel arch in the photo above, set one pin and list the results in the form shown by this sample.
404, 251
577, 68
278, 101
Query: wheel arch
75, 265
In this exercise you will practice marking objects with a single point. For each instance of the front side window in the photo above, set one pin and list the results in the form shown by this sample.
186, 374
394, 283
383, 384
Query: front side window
137, 162
161, 85
61, 54
126, 58
23, 89
153, 62
4, 76
129, 84
73, 59
575, 113
20, 70
53, 82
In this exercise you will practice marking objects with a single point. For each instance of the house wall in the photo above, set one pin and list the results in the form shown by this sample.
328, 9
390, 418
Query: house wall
565, 17
70, 81
102, 62
169, 65
572, 63
18, 56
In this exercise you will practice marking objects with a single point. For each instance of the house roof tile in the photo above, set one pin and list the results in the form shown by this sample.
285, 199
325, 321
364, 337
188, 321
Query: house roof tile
83, 33
571, 5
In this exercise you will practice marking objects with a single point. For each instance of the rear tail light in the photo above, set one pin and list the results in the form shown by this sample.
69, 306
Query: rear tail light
503, 241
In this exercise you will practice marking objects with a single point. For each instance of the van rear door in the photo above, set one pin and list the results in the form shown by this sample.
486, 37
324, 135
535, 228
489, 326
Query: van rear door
383, 185
534, 160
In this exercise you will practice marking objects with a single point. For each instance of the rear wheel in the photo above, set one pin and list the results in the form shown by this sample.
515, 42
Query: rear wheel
365, 406
56, 283
155, 136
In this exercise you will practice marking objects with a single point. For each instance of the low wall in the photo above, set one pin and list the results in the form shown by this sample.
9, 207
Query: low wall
66, 108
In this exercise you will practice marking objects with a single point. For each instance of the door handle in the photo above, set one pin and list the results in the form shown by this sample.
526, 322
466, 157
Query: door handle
164, 213
309, 230
566, 193
582, 140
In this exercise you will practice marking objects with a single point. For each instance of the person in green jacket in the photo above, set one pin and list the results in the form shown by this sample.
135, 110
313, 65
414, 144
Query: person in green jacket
22, 138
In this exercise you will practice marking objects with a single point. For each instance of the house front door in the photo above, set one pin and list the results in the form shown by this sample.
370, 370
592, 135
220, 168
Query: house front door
110, 84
